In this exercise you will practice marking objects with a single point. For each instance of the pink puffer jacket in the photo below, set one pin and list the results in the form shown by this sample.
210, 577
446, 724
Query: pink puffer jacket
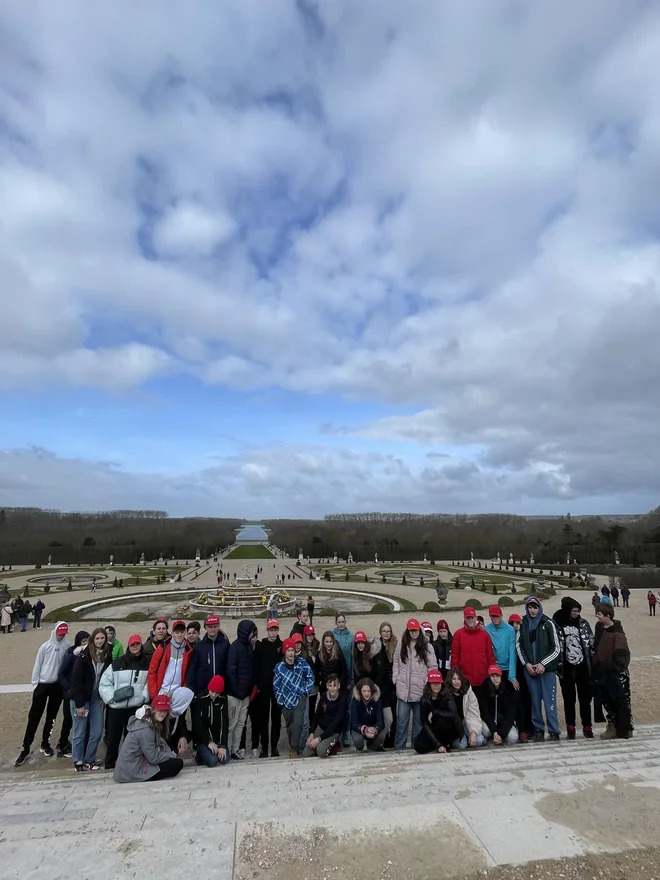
410, 677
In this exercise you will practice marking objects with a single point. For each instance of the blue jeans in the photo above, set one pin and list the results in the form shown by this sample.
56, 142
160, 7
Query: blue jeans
93, 721
543, 689
23, 621
403, 711
205, 756
464, 741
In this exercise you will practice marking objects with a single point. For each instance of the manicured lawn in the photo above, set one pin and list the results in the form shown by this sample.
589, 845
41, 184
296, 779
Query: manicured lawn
250, 551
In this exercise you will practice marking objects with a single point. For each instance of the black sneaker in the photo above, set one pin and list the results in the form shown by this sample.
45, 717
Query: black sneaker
22, 758
263, 755
79, 767
554, 737
539, 736
64, 751
274, 753
47, 750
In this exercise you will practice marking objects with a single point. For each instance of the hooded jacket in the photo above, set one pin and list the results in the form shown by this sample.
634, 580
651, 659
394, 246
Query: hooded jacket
575, 636
440, 719
326, 668
329, 715
381, 667
49, 658
240, 662
611, 651
503, 638
160, 662
267, 655
209, 658
367, 714
141, 752
410, 677
210, 720
538, 642
345, 641
66, 669
472, 652
128, 670
442, 648
497, 706
83, 677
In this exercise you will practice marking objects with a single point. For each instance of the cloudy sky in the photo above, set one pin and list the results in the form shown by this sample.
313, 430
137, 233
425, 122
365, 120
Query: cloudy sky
289, 258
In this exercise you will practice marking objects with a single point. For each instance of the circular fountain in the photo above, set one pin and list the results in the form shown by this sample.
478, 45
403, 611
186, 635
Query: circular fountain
243, 596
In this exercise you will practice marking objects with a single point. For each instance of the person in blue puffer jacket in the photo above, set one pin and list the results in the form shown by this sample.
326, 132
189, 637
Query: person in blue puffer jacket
366, 713
240, 683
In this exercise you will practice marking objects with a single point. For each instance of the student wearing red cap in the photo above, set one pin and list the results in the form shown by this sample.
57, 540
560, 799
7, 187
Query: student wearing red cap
362, 660
441, 725
292, 682
123, 689
144, 755
472, 649
524, 711
267, 654
210, 724
209, 657
498, 704
413, 658
310, 653
503, 637
47, 693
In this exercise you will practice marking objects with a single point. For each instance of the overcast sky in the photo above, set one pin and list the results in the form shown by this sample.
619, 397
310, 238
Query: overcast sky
290, 258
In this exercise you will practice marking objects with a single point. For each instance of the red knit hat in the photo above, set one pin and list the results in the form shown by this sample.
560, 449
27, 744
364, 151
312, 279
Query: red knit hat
515, 618
161, 703
217, 685
469, 612
494, 611
286, 644
309, 630
442, 624
360, 637
494, 670
434, 676
413, 624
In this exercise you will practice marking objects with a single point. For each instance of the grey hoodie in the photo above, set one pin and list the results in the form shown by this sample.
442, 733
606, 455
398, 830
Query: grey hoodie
49, 658
141, 753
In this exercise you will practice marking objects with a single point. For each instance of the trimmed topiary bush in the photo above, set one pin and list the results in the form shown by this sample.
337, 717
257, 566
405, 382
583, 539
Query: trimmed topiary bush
431, 606
505, 601
380, 608
136, 617
474, 603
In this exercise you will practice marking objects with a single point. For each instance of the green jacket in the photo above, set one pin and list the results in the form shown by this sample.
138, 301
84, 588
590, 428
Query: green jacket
117, 650
545, 649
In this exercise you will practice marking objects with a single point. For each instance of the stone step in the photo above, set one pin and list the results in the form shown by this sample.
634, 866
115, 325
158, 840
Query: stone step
259, 817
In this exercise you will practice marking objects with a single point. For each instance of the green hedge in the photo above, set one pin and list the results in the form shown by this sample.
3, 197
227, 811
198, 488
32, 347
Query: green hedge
505, 601
473, 603
380, 608
431, 606
136, 616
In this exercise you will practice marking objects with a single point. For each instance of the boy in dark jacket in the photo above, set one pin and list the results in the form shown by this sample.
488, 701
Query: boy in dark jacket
267, 654
611, 674
63, 747
209, 657
576, 644
537, 644
240, 683
328, 720
497, 706
210, 724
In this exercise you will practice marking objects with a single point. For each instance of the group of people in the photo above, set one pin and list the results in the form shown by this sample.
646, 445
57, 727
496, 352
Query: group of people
17, 611
180, 690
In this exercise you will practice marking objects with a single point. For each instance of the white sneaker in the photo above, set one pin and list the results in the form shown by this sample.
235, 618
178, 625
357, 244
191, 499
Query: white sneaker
240, 754
255, 753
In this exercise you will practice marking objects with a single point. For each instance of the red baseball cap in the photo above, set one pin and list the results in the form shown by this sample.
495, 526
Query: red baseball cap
162, 620
469, 612
286, 644
212, 620
134, 640
161, 703
494, 670
179, 624
515, 618
272, 624
309, 630
62, 629
434, 676
360, 637
217, 685
297, 639
426, 625
494, 611
413, 624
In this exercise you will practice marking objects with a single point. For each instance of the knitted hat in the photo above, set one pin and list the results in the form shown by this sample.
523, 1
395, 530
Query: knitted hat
286, 644
442, 624
360, 637
495, 611
434, 676
161, 703
413, 624
217, 685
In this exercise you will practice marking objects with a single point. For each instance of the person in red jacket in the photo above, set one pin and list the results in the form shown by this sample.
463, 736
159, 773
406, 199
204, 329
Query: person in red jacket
472, 649
168, 669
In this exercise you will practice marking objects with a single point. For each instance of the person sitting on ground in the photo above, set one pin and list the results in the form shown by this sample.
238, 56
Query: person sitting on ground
472, 649
293, 681
441, 724
367, 721
144, 755
497, 706
327, 723
115, 646
123, 688
457, 686
210, 724
610, 673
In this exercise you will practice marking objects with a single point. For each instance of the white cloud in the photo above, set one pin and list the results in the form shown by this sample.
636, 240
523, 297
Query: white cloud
191, 230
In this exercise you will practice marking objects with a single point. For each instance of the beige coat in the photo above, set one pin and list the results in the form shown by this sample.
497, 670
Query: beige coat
5, 619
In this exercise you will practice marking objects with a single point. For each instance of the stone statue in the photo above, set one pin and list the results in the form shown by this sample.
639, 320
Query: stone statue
568, 559
425, 557
471, 557
198, 556
142, 559
531, 559
335, 558
498, 556
617, 561
441, 592
510, 558
300, 555
350, 557
112, 559
376, 558
50, 559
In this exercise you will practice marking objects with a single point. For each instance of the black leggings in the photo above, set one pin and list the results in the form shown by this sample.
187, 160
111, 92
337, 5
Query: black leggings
168, 768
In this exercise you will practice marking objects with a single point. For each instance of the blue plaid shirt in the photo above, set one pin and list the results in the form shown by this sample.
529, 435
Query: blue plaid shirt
290, 683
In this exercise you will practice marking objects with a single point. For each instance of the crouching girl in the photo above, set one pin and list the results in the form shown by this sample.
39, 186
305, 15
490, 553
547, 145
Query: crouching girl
367, 721
144, 755
441, 725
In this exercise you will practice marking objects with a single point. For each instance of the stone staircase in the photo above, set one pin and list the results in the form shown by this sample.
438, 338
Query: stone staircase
387, 815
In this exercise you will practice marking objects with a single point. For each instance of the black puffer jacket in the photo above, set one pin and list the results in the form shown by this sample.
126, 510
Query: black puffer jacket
332, 667
267, 655
440, 718
497, 706
381, 673
83, 677
209, 658
442, 648
240, 662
